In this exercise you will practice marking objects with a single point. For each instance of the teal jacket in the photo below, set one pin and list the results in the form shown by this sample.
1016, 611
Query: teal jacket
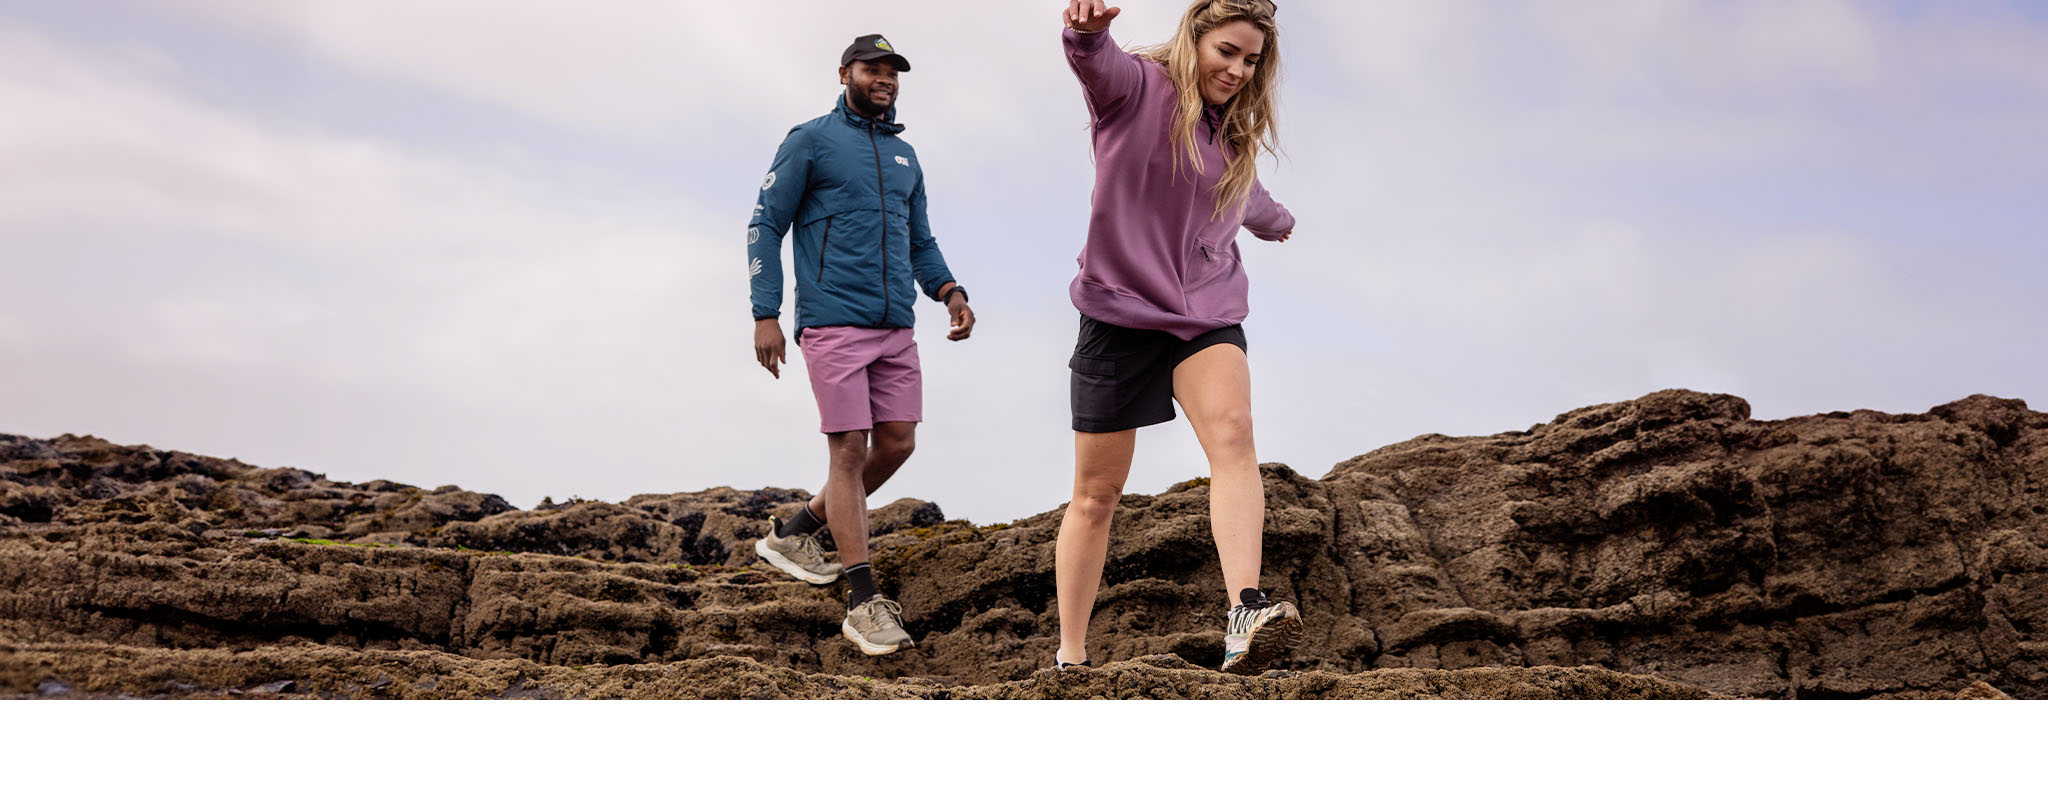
854, 191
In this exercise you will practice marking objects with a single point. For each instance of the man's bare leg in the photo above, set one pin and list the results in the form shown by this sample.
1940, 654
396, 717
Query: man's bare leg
873, 622
892, 444
846, 503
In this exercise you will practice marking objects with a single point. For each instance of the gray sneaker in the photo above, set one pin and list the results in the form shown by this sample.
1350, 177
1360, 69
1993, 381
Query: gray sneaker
877, 626
801, 556
1258, 633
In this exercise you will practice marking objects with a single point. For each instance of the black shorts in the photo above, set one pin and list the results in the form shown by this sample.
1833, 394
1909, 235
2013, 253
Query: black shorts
1123, 377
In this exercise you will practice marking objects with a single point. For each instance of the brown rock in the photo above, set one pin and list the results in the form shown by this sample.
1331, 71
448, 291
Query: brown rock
1981, 691
1619, 550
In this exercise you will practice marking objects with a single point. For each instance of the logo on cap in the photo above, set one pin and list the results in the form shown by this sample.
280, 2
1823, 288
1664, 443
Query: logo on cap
884, 44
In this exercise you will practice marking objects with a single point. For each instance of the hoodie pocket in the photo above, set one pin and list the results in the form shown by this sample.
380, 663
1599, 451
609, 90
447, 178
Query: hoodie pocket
1215, 287
1214, 262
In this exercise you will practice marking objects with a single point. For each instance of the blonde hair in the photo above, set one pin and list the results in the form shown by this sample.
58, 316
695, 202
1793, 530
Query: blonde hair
1248, 124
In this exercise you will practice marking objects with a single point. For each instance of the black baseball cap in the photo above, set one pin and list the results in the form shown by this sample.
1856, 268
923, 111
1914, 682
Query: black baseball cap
873, 47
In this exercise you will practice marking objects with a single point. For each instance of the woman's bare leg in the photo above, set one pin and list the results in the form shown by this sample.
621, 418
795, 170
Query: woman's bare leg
1101, 463
1214, 388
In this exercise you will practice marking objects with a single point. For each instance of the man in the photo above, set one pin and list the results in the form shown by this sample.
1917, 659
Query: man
854, 191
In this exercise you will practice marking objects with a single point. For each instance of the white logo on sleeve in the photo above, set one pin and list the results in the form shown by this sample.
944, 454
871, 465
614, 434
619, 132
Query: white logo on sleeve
754, 268
753, 235
903, 161
758, 208
768, 182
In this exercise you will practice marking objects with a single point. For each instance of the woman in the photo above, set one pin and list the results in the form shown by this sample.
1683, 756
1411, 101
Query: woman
1177, 129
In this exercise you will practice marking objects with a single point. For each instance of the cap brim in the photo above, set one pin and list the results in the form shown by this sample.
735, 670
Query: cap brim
900, 63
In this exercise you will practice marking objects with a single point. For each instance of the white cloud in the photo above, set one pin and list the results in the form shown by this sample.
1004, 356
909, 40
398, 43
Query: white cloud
13, 332
657, 70
1690, 45
301, 258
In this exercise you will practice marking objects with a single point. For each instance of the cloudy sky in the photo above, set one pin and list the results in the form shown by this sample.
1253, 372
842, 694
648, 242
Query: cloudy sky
499, 244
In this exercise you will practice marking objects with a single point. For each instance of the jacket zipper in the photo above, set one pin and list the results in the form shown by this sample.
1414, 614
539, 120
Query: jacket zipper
884, 196
822, 241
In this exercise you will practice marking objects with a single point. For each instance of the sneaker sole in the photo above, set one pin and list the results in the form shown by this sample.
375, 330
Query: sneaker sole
846, 629
1272, 641
777, 561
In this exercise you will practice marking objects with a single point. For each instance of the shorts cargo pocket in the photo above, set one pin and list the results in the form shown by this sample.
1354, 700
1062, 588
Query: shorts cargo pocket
1094, 388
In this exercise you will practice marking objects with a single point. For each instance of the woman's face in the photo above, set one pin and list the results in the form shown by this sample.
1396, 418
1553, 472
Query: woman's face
1225, 59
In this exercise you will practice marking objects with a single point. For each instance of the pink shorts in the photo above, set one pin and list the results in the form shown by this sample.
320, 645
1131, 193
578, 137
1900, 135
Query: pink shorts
862, 376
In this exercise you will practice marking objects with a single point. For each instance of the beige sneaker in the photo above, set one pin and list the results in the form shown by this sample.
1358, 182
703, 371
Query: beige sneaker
877, 626
801, 556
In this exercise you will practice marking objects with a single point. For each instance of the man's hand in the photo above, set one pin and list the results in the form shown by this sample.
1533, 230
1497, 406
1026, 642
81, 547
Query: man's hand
769, 345
1283, 237
1088, 16
963, 317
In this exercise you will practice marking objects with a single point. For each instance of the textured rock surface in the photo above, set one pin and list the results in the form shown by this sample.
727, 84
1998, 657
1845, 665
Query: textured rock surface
1663, 547
325, 671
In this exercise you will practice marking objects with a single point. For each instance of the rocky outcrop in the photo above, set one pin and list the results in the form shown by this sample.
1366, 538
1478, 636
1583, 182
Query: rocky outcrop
326, 671
1663, 547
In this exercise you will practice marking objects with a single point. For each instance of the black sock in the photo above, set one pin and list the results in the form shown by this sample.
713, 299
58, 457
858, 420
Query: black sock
1251, 597
862, 580
802, 523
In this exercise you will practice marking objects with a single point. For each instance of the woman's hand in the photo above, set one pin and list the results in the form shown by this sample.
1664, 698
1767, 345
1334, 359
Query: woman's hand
1088, 16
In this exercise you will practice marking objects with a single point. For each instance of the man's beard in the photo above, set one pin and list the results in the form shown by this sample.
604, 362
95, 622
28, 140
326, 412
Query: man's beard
862, 105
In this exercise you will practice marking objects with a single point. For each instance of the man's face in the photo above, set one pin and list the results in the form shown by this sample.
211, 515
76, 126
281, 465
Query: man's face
870, 86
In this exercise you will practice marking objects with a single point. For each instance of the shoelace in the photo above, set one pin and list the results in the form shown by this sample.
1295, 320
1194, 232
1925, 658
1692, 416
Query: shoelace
1243, 616
880, 606
808, 547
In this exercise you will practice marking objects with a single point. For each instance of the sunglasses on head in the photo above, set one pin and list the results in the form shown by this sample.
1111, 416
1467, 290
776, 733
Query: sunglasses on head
1272, 7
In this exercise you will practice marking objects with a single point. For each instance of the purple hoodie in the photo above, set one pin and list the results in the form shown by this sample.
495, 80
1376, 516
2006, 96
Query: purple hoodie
1157, 257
